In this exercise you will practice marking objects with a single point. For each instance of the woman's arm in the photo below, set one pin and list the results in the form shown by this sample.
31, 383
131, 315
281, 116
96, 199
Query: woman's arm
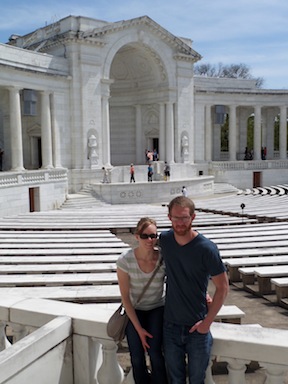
124, 285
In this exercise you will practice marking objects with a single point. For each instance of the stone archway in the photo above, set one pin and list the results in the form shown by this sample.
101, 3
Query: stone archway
139, 80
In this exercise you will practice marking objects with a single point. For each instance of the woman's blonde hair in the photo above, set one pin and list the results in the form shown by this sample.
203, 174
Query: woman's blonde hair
143, 223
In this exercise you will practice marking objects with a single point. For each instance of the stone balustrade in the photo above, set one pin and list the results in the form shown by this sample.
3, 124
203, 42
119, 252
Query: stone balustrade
248, 165
73, 339
30, 177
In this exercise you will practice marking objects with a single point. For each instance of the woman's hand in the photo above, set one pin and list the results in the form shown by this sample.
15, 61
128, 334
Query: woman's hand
143, 334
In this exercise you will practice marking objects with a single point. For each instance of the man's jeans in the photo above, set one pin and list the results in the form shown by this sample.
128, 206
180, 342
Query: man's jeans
179, 343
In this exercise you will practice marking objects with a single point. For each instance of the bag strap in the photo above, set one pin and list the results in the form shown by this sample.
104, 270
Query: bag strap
149, 281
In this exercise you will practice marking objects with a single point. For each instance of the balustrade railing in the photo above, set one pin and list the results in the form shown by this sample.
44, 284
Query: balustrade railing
247, 165
8, 179
95, 354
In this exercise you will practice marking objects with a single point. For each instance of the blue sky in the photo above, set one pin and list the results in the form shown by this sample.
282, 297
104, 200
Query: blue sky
253, 32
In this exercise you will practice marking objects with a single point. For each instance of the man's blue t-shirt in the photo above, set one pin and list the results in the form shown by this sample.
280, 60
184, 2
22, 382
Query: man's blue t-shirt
188, 269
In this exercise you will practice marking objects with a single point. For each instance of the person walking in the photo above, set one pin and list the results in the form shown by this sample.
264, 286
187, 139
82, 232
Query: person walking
105, 175
184, 191
191, 260
144, 329
166, 171
150, 172
132, 173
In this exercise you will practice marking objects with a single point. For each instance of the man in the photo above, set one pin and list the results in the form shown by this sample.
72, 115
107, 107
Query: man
190, 260
132, 173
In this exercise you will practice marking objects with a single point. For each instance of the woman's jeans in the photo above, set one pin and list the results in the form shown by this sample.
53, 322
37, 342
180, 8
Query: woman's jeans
152, 321
179, 343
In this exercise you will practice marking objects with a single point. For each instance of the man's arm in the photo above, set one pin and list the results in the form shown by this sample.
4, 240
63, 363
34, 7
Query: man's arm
221, 290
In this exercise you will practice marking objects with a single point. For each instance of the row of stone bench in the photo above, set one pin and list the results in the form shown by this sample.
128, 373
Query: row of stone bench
85, 248
266, 280
260, 207
71, 220
73, 265
280, 189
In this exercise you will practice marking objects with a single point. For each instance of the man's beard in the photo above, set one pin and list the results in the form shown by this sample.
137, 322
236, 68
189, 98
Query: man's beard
182, 230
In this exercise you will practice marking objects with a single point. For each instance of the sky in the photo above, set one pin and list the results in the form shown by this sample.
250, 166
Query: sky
252, 32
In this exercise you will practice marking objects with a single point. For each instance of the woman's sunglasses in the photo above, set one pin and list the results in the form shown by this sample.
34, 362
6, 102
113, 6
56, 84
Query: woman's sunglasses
145, 236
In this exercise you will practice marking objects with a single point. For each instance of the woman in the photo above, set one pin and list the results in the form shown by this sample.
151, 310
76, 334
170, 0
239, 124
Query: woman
144, 329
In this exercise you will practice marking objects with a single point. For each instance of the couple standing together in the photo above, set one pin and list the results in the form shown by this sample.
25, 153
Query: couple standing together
177, 322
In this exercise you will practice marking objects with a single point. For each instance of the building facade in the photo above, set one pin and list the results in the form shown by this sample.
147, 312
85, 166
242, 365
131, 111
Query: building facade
82, 94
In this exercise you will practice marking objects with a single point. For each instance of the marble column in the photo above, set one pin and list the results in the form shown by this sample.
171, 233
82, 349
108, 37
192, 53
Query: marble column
162, 144
105, 132
46, 134
138, 136
270, 127
208, 133
257, 133
105, 91
232, 133
55, 135
169, 133
283, 132
16, 130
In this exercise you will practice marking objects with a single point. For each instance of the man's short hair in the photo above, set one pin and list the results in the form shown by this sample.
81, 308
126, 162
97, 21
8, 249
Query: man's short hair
182, 201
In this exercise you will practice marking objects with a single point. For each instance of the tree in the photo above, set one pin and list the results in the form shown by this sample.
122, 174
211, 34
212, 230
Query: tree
234, 71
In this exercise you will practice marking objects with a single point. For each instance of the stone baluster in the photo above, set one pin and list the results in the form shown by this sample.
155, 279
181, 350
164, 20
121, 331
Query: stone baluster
3, 339
274, 373
209, 378
19, 331
110, 371
236, 370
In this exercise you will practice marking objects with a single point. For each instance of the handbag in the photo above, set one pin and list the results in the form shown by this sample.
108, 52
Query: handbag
117, 323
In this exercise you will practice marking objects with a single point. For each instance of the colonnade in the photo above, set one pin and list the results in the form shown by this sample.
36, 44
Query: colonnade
264, 119
50, 145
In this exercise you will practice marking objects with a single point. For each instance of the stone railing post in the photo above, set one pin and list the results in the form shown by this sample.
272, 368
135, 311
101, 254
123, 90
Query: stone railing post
19, 331
274, 373
110, 371
3, 339
236, 370
209, 378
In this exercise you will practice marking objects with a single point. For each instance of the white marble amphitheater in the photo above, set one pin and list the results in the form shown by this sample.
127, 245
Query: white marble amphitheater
82, 94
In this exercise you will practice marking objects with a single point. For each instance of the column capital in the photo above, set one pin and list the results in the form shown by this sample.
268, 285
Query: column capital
14, 88
105, 87
45, 92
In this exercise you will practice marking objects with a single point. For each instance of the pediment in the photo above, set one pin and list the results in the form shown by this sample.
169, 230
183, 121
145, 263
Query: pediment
180, 44
34, 130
